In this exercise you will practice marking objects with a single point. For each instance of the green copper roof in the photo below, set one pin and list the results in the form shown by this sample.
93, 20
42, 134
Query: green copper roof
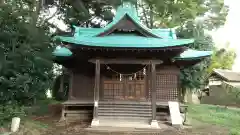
193, 54
130, 11
87, 32
62, 51
90, 36
128, 41
186, 55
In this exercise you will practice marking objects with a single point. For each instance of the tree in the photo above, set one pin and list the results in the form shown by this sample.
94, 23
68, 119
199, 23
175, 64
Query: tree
222, 59
170, 13
153, 13
194, 77
26, 66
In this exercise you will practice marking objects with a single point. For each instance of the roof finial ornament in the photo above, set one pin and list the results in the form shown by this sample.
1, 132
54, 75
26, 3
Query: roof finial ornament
126, 3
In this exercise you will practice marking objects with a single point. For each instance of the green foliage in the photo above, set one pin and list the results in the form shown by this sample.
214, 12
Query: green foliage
7, 112
26, 66
56, 93
194, 76
153, 13
41, 108
222, 59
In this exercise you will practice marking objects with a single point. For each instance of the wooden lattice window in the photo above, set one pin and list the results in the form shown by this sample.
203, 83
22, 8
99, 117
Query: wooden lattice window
167, 87
113, 89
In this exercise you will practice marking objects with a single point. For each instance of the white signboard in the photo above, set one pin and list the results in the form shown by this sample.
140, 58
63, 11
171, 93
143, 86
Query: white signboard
175, 113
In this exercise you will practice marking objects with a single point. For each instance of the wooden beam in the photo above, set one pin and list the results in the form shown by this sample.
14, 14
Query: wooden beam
153, 90
126, 61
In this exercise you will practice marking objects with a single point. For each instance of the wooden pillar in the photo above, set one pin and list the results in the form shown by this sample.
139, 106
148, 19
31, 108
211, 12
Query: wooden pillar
153, 92
95, 120
154, 122
148, 83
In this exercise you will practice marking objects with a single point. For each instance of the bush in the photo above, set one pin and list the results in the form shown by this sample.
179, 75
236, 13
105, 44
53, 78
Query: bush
44, 107
235, 132
7, 112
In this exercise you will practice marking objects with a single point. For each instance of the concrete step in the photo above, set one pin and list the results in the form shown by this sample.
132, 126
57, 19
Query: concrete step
124, 114
124, 118
78, 111
124, 110
123, 106
162, 113
125, 103
124, 123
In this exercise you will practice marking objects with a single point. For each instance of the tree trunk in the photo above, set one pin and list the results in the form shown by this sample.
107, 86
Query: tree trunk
37, 4
183, 94
151, 15
144, 14
2, 2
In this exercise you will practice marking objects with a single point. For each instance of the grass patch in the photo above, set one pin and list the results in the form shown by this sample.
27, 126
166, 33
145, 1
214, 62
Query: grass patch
221, 116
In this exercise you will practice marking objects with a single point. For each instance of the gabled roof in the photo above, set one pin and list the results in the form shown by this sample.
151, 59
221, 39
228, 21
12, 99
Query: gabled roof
106, 38
128, 10
159, 38
91, 32
226, 75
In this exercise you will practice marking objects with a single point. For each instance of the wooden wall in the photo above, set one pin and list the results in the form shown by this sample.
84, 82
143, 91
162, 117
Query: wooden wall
83, 86
167, 84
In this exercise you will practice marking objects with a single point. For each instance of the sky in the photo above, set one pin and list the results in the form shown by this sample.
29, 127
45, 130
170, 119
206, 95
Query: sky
230, 31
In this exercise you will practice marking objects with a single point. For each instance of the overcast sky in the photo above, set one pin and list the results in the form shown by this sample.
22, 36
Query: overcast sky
230, 31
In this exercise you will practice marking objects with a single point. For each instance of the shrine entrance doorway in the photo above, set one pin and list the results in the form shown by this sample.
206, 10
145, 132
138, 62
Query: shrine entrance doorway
125, 87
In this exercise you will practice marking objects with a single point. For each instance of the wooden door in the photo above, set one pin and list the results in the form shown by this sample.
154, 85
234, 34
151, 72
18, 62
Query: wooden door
124, 90
135, 90
125, 87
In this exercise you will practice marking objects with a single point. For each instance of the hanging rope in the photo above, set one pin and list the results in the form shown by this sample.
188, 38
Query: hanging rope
109, 68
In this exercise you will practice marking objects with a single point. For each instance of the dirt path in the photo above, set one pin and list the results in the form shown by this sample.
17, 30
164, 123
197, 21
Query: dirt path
78, 128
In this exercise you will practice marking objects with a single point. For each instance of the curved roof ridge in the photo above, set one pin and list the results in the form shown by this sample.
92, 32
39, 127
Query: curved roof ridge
130, 11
